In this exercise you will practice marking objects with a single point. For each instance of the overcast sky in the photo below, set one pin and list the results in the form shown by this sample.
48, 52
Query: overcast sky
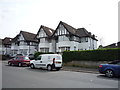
100, 17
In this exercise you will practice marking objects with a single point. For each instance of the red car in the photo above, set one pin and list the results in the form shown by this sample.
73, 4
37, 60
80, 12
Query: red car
19, 61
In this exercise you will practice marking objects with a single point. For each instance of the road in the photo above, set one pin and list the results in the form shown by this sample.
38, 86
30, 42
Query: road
24, 77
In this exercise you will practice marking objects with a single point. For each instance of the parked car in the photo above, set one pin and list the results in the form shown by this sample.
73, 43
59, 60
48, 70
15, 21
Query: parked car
31, 56
111, 69
17, 55
20, 61
48, 61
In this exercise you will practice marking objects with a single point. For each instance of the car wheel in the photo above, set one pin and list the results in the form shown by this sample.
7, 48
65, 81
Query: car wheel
32, 66
109, 73
9, 63
49, 68
20, 64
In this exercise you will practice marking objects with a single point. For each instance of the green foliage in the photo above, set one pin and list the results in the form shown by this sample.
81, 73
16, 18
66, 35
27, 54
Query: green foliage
92, 55
39, 53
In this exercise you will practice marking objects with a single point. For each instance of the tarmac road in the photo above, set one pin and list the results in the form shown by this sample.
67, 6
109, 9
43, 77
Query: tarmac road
24, 77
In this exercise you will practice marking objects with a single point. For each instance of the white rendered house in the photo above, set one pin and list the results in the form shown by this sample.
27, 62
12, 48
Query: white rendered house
72, 39
65, 38
24, 43
6, 46
46, 42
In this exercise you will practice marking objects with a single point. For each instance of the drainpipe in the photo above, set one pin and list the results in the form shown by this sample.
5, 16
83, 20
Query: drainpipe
29, 47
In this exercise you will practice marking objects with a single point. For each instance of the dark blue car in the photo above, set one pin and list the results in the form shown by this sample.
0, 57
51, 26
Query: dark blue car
111, 69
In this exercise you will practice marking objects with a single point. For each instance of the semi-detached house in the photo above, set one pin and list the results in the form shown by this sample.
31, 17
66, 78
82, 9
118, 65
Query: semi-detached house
24, 43
46, 40
6, 46
65, 37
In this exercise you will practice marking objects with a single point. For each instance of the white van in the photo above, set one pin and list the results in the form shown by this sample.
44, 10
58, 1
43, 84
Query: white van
48, 61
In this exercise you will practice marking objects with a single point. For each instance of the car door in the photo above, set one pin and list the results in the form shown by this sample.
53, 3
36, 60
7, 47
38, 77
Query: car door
118, 67
15, 60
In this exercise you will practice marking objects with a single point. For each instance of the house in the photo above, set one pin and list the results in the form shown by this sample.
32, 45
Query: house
65, 37
0, 46
15, 45
24, 43
118, 44
46, 41
113, 45
6, 46
70, 38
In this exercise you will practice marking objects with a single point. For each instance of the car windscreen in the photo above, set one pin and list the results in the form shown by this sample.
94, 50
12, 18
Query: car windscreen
114, 62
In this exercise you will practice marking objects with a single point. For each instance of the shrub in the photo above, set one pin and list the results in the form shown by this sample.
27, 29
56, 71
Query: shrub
92, 55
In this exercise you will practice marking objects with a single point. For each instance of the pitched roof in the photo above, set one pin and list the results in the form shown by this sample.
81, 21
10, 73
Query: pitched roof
0, 41
47, 30
111, 46
15, 38
71, 29
80, 32
118, 44
29, 36
6, 41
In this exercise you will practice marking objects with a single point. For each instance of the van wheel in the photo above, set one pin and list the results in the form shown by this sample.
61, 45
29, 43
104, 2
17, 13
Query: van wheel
49, 68
57, 69
32, 66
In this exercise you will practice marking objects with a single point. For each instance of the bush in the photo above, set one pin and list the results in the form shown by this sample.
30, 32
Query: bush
39, 53
92, 55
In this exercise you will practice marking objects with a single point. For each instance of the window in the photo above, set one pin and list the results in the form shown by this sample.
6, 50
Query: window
74, 47
118, 63
114, 62
26, 58
16, 58
63, 38
86, 39
82, 39
67, 48
38, 58
43, 40
44, 49
61, 49
76, 38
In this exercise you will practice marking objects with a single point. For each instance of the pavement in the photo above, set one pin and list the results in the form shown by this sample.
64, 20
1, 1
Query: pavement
75, 69
80, 69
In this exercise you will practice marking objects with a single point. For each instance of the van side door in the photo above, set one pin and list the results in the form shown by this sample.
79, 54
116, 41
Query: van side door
37, 62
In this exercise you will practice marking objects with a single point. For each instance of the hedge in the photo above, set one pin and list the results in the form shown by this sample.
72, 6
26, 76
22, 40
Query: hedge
92, 55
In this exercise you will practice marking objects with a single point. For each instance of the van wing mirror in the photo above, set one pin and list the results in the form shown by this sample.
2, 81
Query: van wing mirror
35, 58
